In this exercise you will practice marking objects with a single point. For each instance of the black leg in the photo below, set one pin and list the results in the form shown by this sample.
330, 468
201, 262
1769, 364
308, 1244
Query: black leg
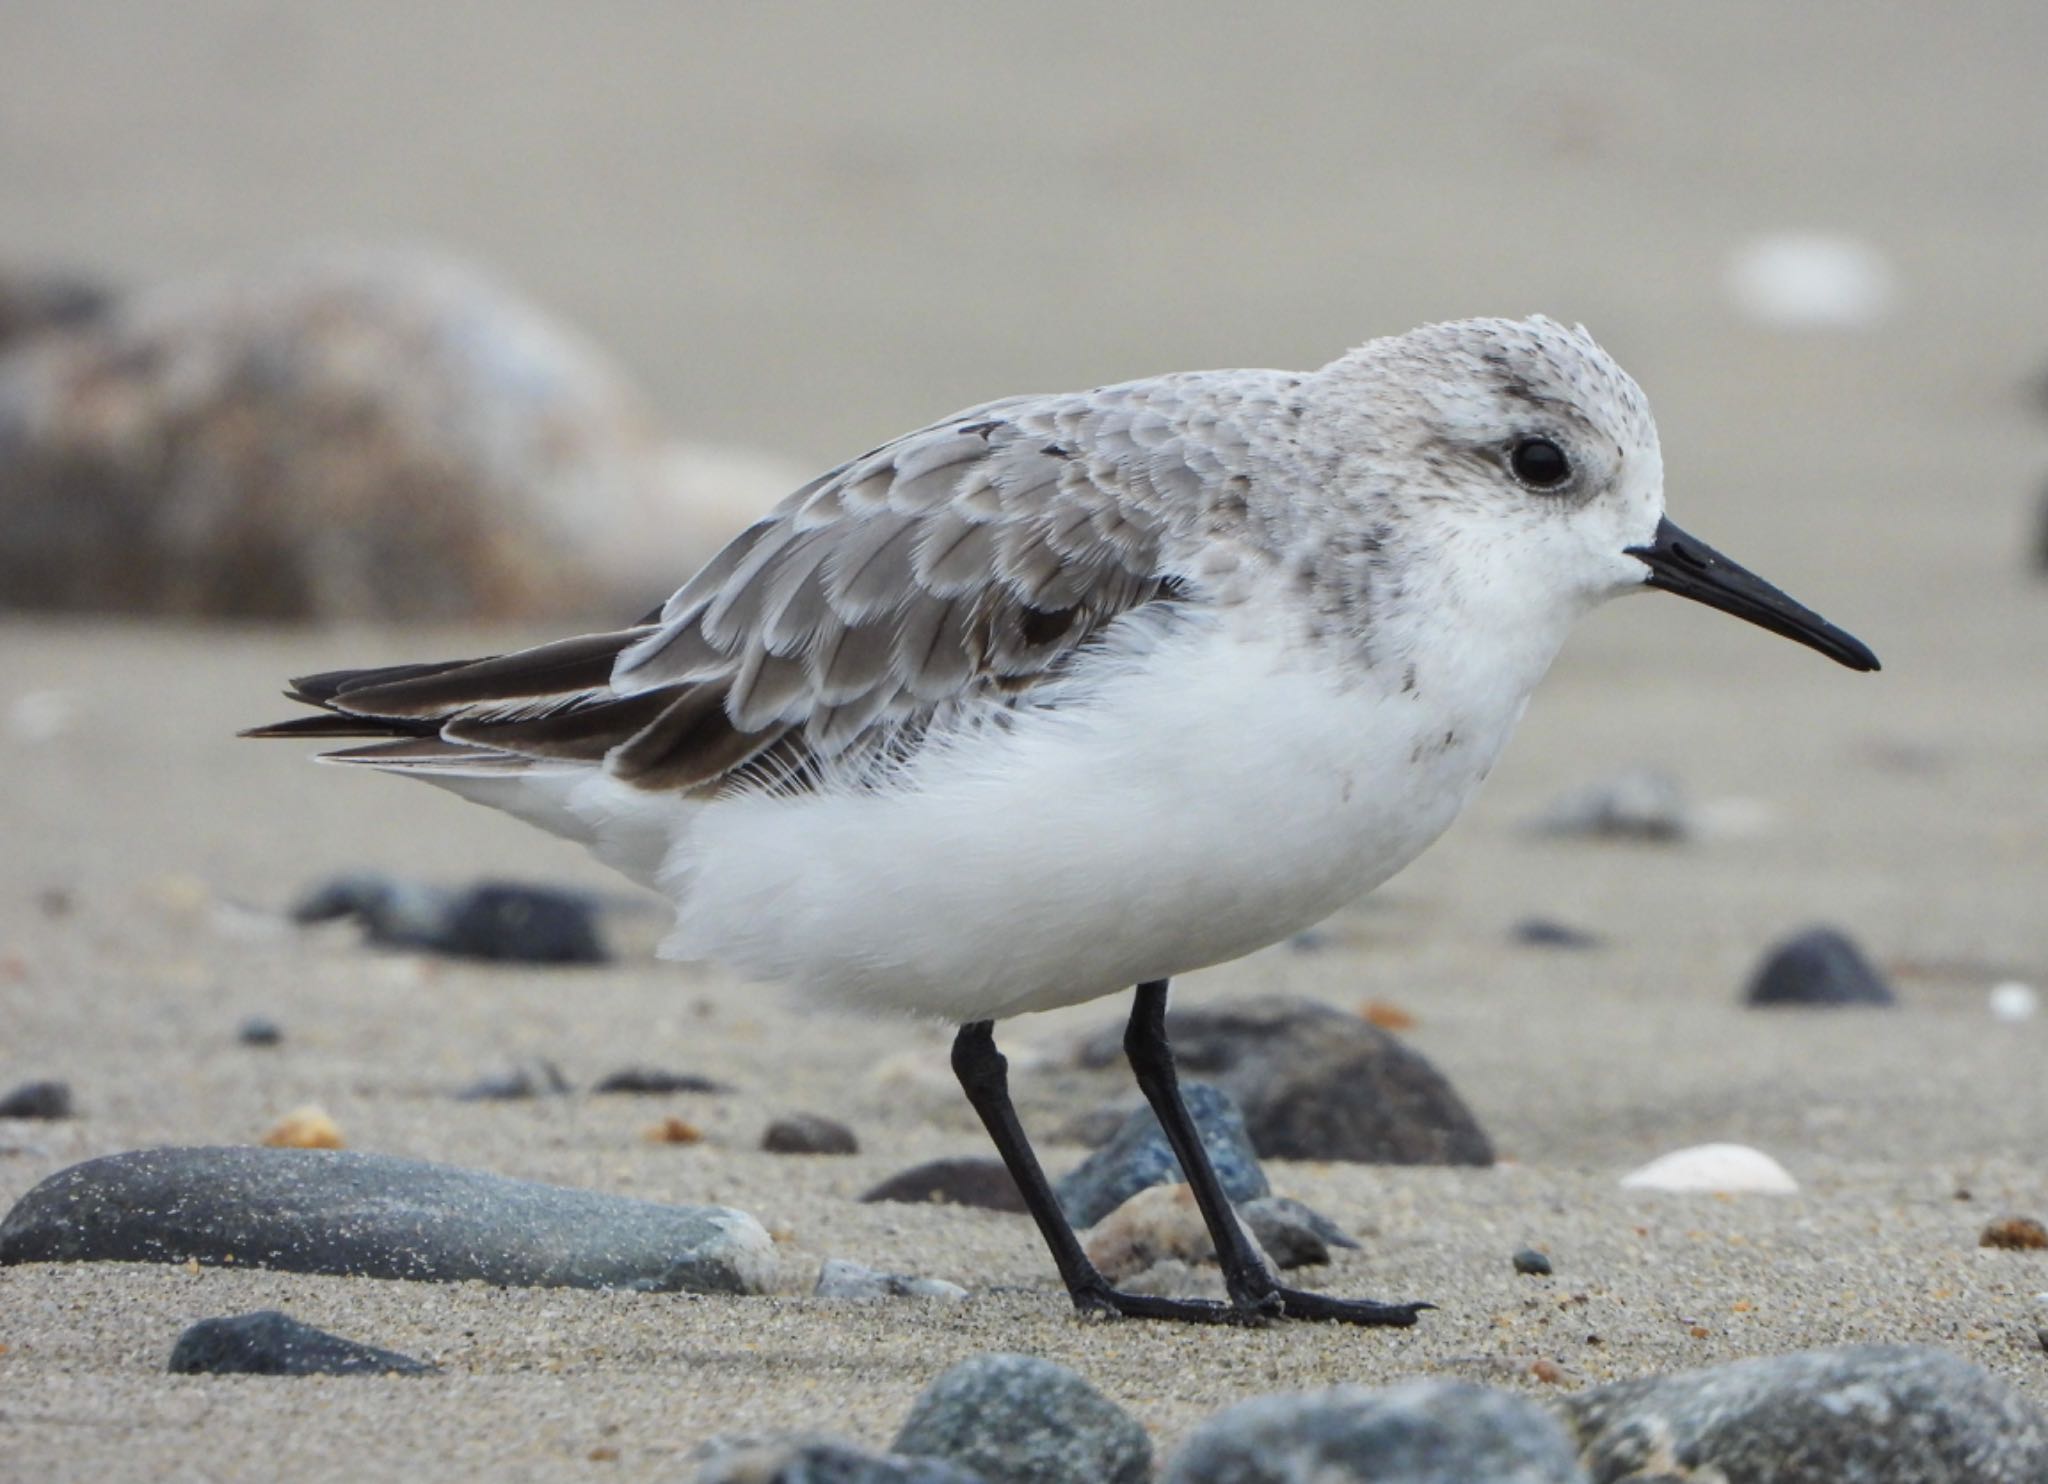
985, 1077
1252, 1288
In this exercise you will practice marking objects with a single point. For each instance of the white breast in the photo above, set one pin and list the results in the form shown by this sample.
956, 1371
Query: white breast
1216, 792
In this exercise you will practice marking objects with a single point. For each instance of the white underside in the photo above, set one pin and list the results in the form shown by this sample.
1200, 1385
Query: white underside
1210, 793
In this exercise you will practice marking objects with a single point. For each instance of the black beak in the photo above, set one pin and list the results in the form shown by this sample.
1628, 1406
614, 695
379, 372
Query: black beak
1680, 564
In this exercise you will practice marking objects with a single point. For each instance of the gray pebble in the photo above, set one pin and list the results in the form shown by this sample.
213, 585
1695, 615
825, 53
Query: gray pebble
259, 1030
808, 1133
839, 1279
1818, 967
528, 1080
500, 921
1290, 1233
1139, 1156
44, 1100
1016, 1419
969, 1181
813, 1458
653, 1081
1639, 804
268, 1343
1875, 1413
1532, 1263
1547, 932
378, 1216
1420, 1432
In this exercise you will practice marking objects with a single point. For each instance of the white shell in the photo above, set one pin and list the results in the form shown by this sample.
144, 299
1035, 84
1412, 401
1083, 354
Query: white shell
1714, 1168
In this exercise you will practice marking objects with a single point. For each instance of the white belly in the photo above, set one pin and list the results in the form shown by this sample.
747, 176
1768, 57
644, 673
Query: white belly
1219, 797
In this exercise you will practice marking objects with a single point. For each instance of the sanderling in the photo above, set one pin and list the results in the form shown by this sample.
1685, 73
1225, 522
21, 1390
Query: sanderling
1068, 693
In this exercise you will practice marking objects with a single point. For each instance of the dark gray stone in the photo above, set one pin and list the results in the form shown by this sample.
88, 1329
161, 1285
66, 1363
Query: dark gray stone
1016, 1419
1858, 1414
259, 1030
654, 1082
1139, 1157
45, 1100
812, 1458
500, 921
1292, 1234
1547, 932
809, 1133
268, 1343
1316, 1083
1532, 1263
985, 1183
1818, 967
377, 1216
840, 1279
1421, 1432
528, 1080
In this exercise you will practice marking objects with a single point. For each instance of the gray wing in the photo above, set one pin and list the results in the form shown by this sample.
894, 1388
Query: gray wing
969, 560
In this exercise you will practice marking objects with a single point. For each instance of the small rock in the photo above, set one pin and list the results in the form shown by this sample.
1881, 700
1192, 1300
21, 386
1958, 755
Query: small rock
652, 1081
306, 1127
1545, 932
1139, 1156
1016, 1419
259, 1030
813, 1458
1532, 1263
378, 1216
1387, 1015
268, 1343
808, 1133
530, 1080
985, 1183
45, 1100
1420, 1432
1315, 1083
1641, 804
1161, 1223
1293, 1235
497, 921
1714, 1168
1817, 967
38, 302
2015, 1234
2013, 1002
839, 1279
673, 1130
1857, 1412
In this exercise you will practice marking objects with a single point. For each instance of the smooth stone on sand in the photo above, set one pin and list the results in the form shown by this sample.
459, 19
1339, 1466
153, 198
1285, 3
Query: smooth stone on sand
1294, 1235
1718, 1169
269, 1343
528, 1080
840, 1279
378, 1216
1420, 1432
969, 1181
44, 1100
1639, 804
1316, 1083
1017, 1419
1857, 1412
655, 1082
1140, 1156
497, 921
1162, 1224
1531, 1263
809, 1133
1548, 932
814, 1458
1817, 967
259, 1030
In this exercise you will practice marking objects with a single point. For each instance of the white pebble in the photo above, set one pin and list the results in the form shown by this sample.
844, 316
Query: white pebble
1811, 281
1714, 1168
2014, 1001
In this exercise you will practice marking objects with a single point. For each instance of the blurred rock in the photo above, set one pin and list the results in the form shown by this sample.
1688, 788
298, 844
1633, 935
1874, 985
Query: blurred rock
1857, 1412
953, 1182
1159, 1224
45, 1100
376, 434
1817, 967
1545, 932
839, 1279
1531, 1263
528, 1080
1017, 1419
305, 1127
1140, 1156
500, 921
268, 1343
1293, 1235
809, 1133
35, 303
1640, 804
2013, 1002
1315, 1083
1420, 1432
259, 1030
2015, 1234
653, 1081
813, 1458
1720, 1169
378, 1216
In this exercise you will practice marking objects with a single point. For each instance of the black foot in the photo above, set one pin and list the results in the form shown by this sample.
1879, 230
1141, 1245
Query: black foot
1281, 1303
1299, 1305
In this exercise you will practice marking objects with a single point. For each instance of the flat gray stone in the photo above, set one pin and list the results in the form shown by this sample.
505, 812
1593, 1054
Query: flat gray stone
1016, 1419
378, 1216
814, 1458
269, 1343
1139, 1157
1857, 1414
1421, 1432
840, 1279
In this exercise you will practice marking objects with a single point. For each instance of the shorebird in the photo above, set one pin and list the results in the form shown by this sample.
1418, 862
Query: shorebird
1068, 693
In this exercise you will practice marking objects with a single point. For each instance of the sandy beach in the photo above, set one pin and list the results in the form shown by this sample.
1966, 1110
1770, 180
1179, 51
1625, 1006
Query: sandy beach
1888, 477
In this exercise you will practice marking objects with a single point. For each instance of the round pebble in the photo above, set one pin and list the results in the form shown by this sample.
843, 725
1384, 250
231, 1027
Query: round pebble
1532, 1262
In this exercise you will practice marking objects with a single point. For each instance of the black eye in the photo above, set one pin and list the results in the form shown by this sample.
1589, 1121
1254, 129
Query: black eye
1540, 463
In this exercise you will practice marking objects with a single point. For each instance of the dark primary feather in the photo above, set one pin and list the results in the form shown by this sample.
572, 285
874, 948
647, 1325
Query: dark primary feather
971, 559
